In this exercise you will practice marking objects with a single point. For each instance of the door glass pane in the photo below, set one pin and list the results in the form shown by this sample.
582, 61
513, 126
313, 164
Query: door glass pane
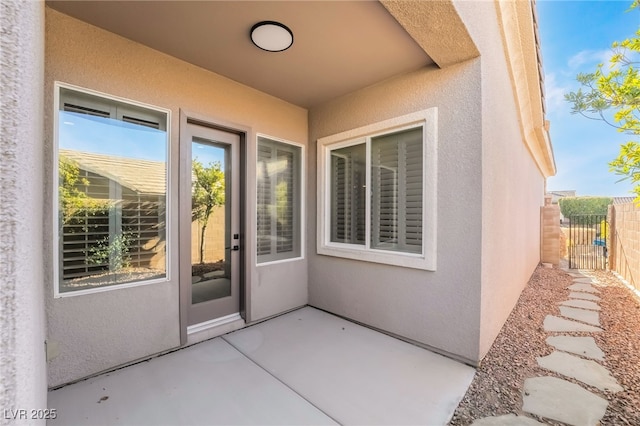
210, 224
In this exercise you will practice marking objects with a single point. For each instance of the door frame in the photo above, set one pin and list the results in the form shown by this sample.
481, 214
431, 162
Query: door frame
189, 118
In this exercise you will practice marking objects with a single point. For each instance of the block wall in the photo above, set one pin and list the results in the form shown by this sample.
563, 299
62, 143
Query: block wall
624, 243
550, 230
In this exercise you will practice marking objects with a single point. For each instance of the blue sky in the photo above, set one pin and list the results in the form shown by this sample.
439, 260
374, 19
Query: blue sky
575, 36
85, 133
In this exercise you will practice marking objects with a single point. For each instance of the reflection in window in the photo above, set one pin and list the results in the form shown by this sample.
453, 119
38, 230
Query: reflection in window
112, 190
279, 188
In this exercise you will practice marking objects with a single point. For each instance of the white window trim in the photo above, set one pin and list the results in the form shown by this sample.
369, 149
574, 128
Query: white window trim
303, 202
57, 85
427, 260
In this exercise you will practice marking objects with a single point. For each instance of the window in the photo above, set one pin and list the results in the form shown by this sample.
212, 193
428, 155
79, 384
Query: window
111, 192
279, 197
378, 192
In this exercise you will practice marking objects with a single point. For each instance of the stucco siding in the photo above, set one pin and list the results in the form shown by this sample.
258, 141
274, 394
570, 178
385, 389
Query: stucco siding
438, 309
97, 331
512, 183
22, 320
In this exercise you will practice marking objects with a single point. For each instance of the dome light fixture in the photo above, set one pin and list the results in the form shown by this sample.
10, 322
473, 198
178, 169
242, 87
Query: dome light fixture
271, 36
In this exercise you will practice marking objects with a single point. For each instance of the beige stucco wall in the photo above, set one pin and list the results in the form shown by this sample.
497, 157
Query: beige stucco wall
490, 190
23, 383
512, 183
439, 309
90, 333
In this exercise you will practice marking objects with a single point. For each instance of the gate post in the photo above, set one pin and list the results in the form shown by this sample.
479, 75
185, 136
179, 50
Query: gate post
550, 232
611, 238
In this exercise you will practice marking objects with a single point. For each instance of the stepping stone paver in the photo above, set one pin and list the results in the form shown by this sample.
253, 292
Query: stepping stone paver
584, 304
554, 323
585, 346
506, 420
560, 400
583, 296
583, 280
584, 287
587, 371
590, 317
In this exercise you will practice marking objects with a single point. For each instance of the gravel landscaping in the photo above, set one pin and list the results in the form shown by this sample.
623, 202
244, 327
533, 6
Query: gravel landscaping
497, 387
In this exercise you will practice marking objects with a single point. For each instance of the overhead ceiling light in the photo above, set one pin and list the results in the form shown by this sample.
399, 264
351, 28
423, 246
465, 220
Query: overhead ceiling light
271, 36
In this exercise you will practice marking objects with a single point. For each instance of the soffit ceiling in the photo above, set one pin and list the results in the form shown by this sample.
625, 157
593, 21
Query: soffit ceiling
339, 46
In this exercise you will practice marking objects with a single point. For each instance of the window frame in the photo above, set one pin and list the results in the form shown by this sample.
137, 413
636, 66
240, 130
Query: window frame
58, 86
301, 193
427, 119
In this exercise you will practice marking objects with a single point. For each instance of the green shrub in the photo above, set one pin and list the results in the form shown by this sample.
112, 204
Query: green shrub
576, 206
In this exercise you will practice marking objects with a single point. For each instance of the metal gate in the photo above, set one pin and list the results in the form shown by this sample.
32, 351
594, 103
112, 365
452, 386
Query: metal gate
588, 235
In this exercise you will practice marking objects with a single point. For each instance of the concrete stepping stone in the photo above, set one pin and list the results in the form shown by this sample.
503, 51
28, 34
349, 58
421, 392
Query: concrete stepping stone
554, 323
563, 401
585, 280
583, 304
590, 317
587, 371
506, 420
214, 274
584, 287
585, 346
584, 296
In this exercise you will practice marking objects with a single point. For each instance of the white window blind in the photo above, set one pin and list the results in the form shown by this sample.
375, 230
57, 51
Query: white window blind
396, 191
278, 200
348, 194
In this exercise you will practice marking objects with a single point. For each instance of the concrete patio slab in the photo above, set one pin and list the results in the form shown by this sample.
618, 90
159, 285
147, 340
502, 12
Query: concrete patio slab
205, 384
590, 317
587, 371
506, 420
585, 346
580, 303
560, 400
584, 287
584, 296
354, 374
304, 367
554, 323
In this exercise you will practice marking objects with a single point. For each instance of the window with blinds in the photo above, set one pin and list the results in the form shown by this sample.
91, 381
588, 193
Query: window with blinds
395, 172
112, 170
278, 200
396, 191
378, 194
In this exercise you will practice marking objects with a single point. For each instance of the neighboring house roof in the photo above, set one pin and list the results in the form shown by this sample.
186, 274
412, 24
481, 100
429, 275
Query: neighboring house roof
141, 176
570, 193
623, 200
